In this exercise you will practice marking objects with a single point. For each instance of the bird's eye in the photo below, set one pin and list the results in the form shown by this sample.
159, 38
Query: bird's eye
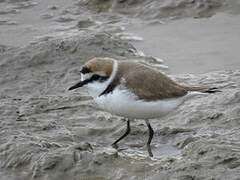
100, 78
85, 70
95, 77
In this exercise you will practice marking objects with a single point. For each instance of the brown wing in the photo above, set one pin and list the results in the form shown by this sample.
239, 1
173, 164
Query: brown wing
149, 84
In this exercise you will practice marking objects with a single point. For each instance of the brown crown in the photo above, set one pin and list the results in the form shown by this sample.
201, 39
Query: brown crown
100, 65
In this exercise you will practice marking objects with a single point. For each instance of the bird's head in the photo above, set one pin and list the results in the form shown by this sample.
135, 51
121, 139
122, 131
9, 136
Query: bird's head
95, 70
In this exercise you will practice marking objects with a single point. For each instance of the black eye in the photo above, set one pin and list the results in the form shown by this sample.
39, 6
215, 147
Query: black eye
95, 77
85, 70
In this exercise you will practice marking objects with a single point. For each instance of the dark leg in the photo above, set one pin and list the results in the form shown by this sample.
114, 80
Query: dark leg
151, 132
124, 135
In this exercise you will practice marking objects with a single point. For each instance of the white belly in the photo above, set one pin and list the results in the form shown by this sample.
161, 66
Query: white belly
124, 103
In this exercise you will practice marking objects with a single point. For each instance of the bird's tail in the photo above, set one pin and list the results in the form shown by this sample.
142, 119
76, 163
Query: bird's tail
203, 89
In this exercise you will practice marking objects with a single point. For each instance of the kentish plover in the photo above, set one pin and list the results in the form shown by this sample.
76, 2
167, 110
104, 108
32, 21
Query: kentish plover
134, 91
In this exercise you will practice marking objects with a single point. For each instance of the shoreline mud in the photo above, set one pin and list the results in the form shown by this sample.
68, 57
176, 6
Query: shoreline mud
47, 132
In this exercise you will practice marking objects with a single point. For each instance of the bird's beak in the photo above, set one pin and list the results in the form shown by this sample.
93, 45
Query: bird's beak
79, 84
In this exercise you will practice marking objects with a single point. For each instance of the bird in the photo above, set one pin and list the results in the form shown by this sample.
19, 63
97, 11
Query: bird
134, 90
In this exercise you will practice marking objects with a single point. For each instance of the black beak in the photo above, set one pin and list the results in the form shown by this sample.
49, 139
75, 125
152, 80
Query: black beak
95, 77
80, 84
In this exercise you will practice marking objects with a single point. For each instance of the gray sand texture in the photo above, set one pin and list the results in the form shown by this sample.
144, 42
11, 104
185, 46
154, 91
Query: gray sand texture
48, 132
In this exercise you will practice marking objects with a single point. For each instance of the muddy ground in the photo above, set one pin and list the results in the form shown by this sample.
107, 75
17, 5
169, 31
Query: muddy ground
47, 132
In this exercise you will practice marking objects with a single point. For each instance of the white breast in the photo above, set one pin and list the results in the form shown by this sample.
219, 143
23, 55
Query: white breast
124, 103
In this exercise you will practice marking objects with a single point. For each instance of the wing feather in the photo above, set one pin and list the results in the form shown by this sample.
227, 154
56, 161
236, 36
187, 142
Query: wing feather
147, 83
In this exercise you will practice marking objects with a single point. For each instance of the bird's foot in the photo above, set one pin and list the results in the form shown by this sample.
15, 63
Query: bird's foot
149, 150
115, 146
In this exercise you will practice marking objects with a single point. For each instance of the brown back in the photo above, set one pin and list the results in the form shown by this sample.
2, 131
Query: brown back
147, 83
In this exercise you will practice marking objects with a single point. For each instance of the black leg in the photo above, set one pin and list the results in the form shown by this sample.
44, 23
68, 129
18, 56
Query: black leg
151, 132
124, 135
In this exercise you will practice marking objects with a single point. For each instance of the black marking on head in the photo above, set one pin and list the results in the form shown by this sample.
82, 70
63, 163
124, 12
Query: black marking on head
95, 77
85, 70
99, 78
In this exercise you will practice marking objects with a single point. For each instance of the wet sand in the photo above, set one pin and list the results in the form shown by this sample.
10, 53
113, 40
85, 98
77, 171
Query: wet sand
47, 132
193, 45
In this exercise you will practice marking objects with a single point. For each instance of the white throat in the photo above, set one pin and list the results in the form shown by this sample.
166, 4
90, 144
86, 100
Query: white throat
96, 88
